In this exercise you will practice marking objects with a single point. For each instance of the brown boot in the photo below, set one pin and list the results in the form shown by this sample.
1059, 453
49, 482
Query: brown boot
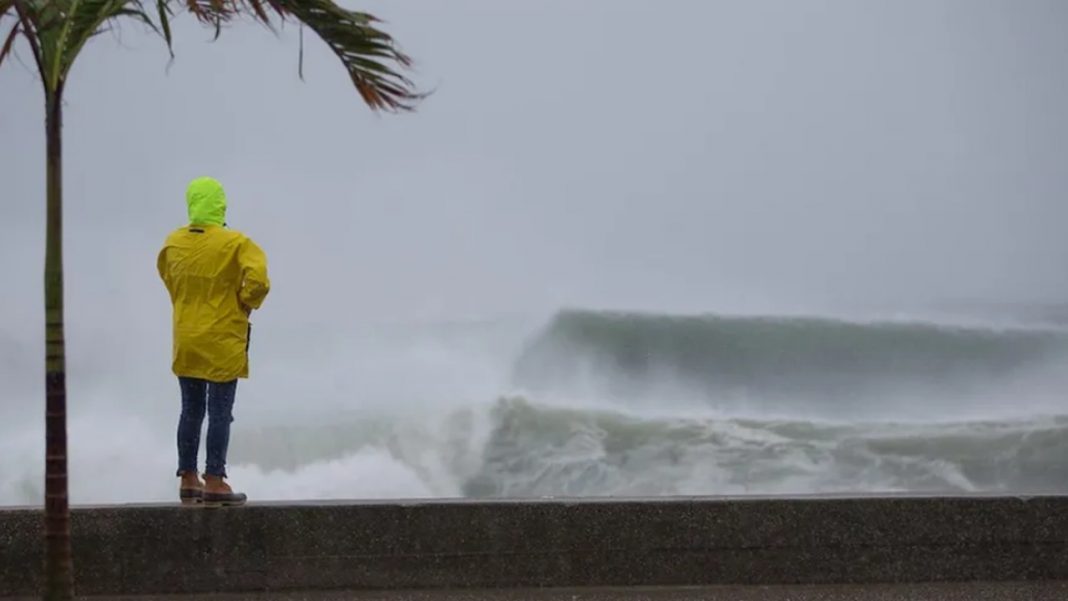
191, 489
217, 493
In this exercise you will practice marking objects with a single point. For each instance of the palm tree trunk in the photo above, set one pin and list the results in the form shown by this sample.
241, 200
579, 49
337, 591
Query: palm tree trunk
59, 578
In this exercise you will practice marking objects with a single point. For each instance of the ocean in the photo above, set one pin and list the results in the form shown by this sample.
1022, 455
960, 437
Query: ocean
597, 403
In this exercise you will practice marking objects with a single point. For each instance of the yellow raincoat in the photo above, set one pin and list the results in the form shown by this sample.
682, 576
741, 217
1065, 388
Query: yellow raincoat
216, 277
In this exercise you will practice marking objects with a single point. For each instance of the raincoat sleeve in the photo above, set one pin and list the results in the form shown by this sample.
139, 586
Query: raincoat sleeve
254, 281
161, 267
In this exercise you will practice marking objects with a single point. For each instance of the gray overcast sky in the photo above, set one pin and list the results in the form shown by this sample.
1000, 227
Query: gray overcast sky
684, 155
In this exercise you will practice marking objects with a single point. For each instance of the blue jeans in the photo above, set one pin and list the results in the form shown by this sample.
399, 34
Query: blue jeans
218, 399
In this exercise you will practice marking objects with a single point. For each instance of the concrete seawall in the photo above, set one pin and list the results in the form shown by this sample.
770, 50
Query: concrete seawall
559, 543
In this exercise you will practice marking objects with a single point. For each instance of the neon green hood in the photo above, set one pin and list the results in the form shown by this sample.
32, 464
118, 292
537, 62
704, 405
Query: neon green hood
206, 201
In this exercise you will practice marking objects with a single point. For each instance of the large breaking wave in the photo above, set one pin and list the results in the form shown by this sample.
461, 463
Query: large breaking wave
800, 364
595, 404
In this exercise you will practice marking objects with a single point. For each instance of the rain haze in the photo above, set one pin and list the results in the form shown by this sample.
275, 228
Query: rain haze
859, 160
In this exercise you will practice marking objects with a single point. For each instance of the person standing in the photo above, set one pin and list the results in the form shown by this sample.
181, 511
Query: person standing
215, 277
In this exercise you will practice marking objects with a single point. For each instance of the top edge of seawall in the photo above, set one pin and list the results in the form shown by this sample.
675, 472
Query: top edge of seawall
567, 501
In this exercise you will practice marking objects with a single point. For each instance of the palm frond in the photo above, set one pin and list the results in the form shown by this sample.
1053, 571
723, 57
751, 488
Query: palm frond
212, 12
163, 10
45, 17
60, 29
9, 42
368, 54
85, 19
29, 18
259, 11
7, 8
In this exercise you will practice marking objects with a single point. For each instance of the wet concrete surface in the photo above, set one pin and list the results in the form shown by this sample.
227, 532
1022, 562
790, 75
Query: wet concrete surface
525, 544
973, 591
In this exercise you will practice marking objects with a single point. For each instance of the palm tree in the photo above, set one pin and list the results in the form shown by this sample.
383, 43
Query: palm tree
56, 31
